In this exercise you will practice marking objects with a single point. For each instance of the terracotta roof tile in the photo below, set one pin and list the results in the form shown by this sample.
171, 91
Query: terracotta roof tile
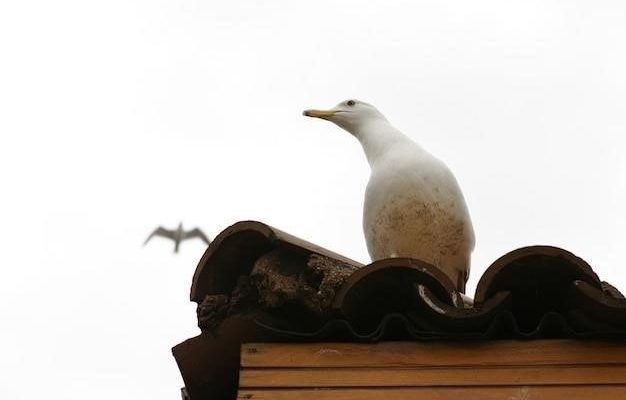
257, 283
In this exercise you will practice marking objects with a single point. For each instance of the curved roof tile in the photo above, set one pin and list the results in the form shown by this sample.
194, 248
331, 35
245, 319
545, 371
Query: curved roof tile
257, 283
525, 284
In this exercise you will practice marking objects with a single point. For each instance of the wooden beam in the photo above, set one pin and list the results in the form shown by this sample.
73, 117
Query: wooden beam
404, 377
444, 393
419, 354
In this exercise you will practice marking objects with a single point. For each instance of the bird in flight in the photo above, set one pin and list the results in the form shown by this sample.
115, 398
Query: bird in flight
178, 235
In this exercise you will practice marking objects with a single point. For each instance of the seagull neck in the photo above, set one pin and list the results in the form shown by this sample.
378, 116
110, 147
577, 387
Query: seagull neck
377, 137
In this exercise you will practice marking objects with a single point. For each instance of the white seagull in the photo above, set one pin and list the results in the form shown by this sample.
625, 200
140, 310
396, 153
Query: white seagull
413, 204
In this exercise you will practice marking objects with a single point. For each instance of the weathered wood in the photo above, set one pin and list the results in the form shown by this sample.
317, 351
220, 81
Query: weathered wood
403, 377
502, 370
416, 354
617, 392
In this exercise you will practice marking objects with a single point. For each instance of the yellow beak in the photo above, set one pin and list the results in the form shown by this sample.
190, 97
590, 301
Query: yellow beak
319, 113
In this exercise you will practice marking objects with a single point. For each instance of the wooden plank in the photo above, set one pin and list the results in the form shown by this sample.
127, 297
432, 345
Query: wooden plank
414, 354
379, 377
450, 393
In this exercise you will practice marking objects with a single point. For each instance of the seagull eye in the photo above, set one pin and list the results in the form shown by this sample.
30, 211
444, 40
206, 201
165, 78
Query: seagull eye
351, 103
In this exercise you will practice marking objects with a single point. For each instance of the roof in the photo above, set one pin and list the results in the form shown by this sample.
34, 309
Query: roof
257, 283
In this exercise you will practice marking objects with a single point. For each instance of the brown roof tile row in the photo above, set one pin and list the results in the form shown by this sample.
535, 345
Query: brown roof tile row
257, 283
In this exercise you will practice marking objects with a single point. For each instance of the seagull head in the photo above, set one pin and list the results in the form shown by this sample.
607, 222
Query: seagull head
350, 115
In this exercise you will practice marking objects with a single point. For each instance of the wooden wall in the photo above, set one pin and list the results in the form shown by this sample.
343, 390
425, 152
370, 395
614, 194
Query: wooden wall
502, 370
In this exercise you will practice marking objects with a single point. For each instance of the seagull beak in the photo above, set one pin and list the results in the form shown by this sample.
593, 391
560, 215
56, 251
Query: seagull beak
324, 114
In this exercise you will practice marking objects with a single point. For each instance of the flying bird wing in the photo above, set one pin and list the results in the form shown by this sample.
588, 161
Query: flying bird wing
160, 231
197, 233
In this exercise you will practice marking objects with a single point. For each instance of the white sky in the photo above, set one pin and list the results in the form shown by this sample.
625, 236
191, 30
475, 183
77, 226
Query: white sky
118, 116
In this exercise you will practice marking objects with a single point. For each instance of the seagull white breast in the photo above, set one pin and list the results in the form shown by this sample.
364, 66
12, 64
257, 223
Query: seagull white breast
414, 208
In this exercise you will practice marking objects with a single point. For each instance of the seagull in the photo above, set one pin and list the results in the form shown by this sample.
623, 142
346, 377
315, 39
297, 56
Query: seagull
413, 204
178, 235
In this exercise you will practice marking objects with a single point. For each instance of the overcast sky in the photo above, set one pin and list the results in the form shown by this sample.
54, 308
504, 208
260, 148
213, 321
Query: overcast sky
121, 115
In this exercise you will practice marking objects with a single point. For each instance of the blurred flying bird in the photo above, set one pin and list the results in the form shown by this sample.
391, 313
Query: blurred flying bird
178, 235
413, 204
